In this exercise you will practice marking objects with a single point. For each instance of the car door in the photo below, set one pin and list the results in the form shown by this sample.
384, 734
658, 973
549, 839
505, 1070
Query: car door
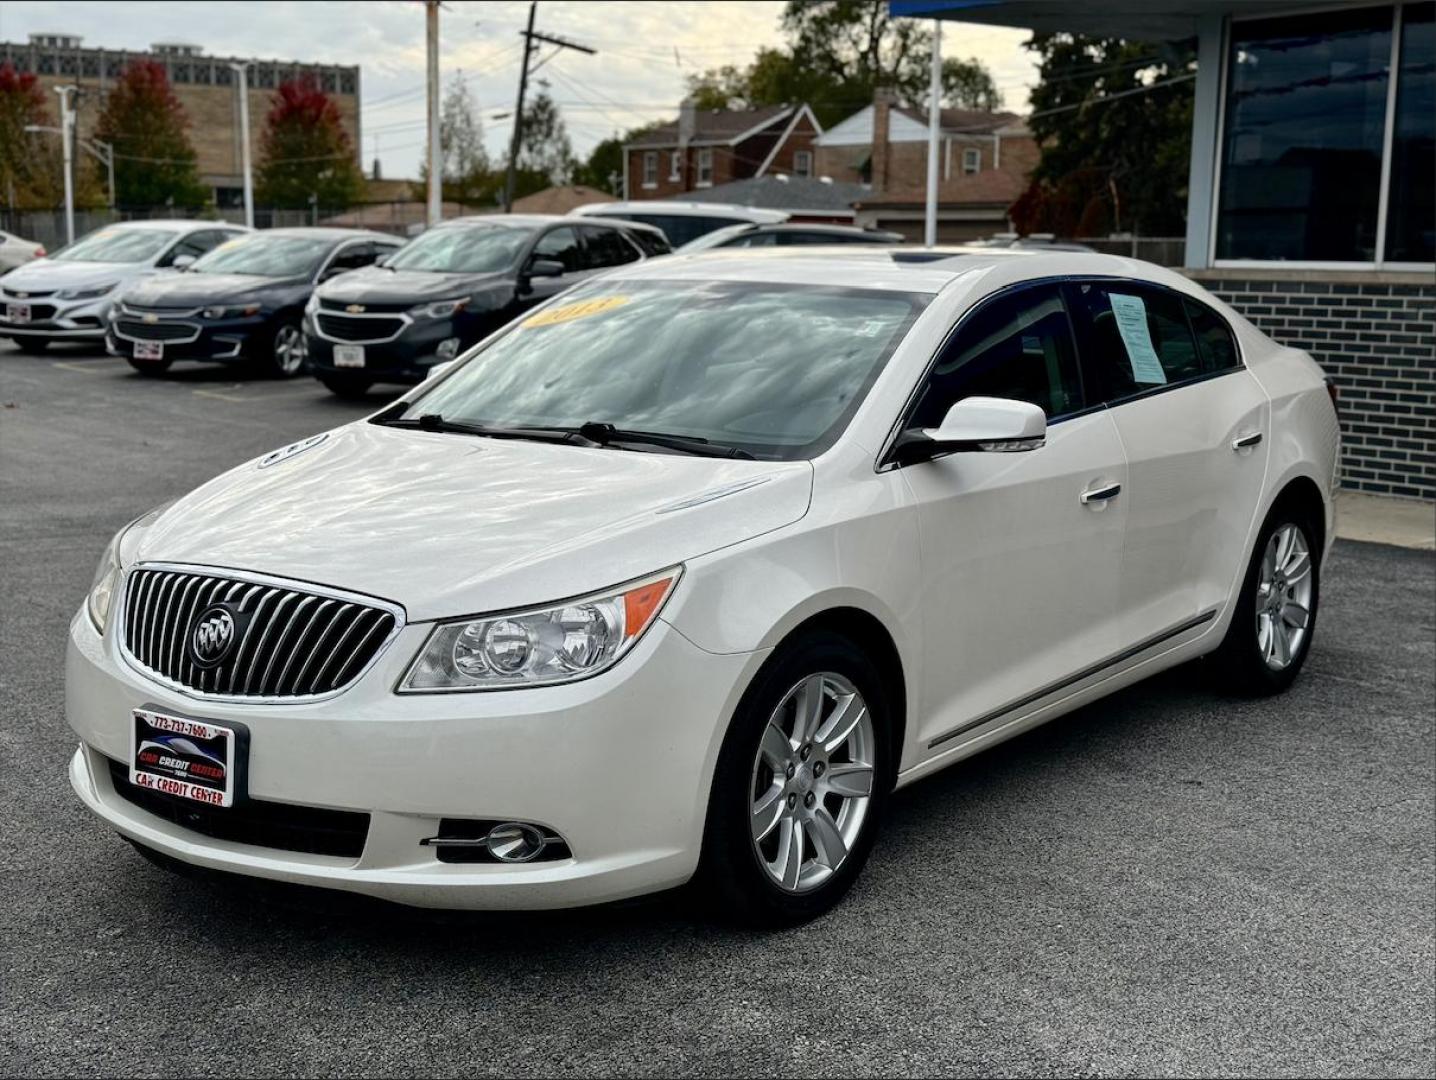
1020, 551
561, 245
1194, 424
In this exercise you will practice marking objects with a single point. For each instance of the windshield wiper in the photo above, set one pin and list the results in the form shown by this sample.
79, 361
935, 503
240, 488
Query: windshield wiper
435, 422
605, 434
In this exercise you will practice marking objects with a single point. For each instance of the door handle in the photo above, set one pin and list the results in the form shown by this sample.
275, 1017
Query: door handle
1100, 494
1245, 442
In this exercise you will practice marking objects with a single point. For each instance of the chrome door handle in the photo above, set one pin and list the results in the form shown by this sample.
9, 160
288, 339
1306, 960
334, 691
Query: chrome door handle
1100, 494
1244, 442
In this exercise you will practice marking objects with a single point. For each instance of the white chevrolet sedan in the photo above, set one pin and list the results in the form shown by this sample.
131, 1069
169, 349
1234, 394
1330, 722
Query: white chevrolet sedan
678, 576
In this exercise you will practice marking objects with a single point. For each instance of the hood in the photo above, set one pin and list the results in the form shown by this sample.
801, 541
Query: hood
47, 275
186, 290
376, 285
450, 525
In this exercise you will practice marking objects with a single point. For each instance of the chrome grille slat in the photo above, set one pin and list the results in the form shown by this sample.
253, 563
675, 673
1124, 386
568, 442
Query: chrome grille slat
294, 643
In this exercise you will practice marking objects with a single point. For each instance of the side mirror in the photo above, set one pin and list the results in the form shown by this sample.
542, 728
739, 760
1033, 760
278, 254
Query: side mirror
182, 262
985, 424
545, 268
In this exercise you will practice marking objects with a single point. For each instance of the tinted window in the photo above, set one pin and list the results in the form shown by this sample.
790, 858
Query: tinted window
607, 247
1136, 338
1411, 221
561, 245
680, 228
1215, 342
1015, 346
1301, 155
773, 369
651, 243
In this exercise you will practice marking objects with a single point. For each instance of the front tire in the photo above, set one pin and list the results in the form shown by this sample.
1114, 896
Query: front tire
1271, 629
32, 346
287, 354
801, 785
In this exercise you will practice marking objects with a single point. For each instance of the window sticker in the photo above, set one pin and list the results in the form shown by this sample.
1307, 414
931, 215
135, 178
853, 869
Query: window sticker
1131, 315
569, 312
872, 328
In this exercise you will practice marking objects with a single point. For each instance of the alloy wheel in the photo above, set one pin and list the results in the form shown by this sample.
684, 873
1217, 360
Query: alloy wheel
812, 781
289, 350
1283, 600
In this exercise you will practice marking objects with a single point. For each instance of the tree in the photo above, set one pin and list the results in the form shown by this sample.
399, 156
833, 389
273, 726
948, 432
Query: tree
838, 52
305, 152
144, 121
1106, 165
24, 180
467, 176
603, 169
545, 154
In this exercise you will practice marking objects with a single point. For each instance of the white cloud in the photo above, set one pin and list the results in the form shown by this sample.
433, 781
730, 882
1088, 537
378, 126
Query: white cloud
644, 50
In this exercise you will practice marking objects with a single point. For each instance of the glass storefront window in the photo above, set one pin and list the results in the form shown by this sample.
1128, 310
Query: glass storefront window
1410, 220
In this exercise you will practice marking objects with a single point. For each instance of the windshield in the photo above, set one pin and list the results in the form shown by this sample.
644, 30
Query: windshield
271, 255
463, 249
774, 370
717, 238
117, 246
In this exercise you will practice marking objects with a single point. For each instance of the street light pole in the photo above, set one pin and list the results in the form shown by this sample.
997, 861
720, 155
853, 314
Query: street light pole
242, 70
436, 198
67, 127
934, 129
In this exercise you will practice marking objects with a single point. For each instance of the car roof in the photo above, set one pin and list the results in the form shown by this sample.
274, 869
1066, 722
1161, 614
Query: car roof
330, 232
876, 267
679, 208
171, 224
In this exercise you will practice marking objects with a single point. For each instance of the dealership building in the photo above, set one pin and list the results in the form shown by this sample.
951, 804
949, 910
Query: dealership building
1310, 199
206, 88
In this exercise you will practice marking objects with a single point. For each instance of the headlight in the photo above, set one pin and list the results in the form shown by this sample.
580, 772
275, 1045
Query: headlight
440, 309
89, 293
107, 576
232, 312
312, 304
541, 646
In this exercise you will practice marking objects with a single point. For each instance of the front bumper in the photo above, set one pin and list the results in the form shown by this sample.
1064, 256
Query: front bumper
223, 341
59, 320
406, 358
619, 765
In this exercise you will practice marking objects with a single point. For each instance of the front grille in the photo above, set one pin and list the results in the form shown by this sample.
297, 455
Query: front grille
25, 294
287, 643
325, 304
158, 331
38, 312
281, 826
359, 328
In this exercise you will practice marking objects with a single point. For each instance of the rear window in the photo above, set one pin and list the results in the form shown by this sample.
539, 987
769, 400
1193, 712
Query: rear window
650, 243
1214, 339
680, 228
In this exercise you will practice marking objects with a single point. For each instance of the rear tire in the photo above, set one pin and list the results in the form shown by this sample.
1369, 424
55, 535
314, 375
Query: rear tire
1270, 635
33, 346
149, 367
800, 788
346, 386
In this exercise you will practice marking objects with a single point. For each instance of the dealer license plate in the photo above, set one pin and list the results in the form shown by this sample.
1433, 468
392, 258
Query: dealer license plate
189, 759
149, 350
349, 356
17, 313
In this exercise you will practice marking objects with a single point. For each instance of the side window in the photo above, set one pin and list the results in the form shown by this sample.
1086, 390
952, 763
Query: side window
607, 247
651, 243
1214, 339
193, 244
351, 257
759, 239
1016, 346
1137, 338
563, 246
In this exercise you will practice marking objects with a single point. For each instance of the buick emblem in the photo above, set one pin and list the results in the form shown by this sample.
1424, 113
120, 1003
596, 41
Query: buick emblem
212, 637
354, 309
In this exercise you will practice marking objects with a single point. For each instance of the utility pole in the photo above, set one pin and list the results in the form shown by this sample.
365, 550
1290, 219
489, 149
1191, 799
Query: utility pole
67, 133
530, 36
934, 131
242, 70
436, 179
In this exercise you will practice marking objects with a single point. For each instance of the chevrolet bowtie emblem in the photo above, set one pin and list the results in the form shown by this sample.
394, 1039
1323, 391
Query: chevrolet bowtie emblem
151, 318
354, 309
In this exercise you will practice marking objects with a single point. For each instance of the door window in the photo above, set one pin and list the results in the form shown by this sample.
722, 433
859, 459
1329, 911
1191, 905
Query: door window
607, 247
351, 257
1136, 338
1215, 342
194, 244
1018, 345
561, 245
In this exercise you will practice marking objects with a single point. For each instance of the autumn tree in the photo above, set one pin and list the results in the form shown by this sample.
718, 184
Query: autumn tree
145, 123
305, 152
23, 179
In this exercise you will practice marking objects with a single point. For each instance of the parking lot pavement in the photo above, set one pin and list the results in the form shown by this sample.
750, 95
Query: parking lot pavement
1168, 882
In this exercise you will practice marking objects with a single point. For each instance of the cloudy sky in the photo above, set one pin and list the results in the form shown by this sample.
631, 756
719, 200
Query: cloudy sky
644, 50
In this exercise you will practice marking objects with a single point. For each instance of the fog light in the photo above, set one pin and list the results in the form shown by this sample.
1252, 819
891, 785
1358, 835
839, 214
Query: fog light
448, 349
512, 842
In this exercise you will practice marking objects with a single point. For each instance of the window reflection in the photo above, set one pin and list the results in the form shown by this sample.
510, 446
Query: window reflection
1410, 221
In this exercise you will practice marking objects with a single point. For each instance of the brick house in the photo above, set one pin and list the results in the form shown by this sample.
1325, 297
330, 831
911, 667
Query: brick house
985, 160
704, 148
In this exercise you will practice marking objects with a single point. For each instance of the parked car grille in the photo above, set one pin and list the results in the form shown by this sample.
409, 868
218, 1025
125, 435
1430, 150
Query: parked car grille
158, 331
283, 826
38, 312
24, 294
287, 643
359, 328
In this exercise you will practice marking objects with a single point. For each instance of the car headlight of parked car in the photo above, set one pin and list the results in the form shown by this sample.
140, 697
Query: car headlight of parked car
540, 646
312, 304
89, 292
440, 309
232, 311
107, 574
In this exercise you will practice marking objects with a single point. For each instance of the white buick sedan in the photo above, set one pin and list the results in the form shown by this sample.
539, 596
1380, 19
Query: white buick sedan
680, 575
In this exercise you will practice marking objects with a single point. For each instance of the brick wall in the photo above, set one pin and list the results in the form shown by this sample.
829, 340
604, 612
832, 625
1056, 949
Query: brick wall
1375, 335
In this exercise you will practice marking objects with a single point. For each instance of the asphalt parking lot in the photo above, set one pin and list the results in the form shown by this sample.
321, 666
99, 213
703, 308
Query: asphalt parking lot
1166, 883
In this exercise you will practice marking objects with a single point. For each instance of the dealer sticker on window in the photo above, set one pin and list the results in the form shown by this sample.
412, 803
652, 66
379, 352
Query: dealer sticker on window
569, 312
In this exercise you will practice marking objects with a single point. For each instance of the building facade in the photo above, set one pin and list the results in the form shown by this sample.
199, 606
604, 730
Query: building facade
704, 148
206, 88
1310, 198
